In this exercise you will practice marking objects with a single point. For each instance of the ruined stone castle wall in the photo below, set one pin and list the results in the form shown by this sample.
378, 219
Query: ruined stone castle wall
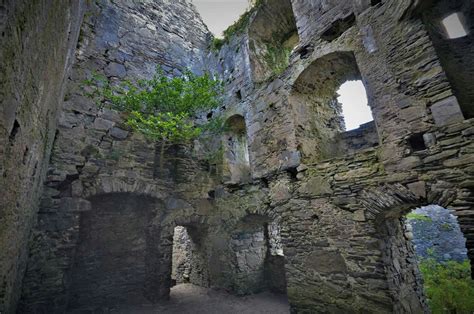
337, 200
38, 40
94, 152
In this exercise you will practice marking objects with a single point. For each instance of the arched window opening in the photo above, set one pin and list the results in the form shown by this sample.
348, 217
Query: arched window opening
236, 154
325, 94
441, 254
272, 37
259, 259
189, 260
355, 106
454, 26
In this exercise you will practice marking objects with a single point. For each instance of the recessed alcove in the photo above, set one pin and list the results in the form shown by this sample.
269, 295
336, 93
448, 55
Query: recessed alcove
259, 258
316, 103
450, 24
110, 265
272, 37
236, 168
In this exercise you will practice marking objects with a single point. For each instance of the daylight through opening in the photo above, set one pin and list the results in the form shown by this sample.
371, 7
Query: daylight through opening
454, 26
441, 254
189, 261
355, 106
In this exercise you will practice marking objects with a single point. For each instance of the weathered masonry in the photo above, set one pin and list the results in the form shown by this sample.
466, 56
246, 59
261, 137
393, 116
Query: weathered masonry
295, 204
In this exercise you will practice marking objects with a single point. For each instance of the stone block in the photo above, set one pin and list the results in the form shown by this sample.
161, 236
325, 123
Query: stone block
461, 161
75, 204
326, 262
116, 69
316, 186
118, 133
102, 124
418, 188
447, 111
359, 215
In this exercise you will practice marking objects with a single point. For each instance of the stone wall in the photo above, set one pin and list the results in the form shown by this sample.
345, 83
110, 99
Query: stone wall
455, 54
94, 152
37, 43
190, 257
364, 137
436, 234
110, 259
342, 242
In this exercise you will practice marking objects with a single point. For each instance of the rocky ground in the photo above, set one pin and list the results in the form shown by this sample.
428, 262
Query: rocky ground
191, 299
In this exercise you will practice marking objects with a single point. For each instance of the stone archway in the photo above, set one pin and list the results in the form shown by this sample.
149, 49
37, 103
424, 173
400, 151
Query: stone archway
319, 123
113, 248
161, 257
386, 205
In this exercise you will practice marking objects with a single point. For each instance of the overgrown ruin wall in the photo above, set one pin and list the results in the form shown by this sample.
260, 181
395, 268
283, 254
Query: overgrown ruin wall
37, 44
334, 199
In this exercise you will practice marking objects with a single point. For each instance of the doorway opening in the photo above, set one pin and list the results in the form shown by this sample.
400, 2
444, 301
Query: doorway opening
259, 258
189, 259
441, 254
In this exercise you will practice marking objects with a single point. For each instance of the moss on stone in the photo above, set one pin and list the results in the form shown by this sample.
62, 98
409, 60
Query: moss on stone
419, 217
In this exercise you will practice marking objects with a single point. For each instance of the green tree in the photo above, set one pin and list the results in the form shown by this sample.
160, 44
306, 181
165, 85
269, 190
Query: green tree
448, 286
162, 108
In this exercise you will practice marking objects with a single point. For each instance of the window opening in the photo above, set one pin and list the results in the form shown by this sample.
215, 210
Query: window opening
454, 26
441, 254
355, 106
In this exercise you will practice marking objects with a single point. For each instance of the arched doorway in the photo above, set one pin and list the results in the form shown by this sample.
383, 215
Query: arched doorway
110, 265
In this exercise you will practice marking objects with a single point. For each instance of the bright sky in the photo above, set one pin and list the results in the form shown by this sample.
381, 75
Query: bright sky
355, 109
454, 26
220, 14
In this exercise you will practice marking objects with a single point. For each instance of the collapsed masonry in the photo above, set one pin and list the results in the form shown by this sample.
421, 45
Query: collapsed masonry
296, 204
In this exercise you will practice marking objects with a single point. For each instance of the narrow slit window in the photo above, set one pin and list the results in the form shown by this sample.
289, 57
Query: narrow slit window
454, 26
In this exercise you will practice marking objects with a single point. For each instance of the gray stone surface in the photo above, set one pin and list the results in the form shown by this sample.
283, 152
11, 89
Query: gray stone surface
320, 215
438, 235
446, 111
37, 45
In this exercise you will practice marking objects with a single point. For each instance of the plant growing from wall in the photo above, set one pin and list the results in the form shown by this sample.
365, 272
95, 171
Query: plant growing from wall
161, 108
277, 58
237, 27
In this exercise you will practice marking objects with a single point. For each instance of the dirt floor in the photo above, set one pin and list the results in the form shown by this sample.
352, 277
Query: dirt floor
190, 299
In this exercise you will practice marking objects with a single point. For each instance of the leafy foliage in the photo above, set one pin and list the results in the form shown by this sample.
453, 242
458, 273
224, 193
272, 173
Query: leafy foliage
161, 108
217, 43
420, 217
448, 286
238, 27
277, 58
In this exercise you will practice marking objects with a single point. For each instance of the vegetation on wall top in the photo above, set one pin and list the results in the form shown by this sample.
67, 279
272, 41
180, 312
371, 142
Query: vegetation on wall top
237, 28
